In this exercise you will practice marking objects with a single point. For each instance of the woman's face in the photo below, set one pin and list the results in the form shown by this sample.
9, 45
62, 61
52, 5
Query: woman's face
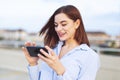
65, 27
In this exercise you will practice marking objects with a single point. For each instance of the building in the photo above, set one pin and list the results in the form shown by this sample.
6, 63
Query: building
18, 34
97, 37
104, 40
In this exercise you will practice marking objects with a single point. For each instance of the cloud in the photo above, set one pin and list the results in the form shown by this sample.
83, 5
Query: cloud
26, 7
32, 14
27, 14
96, 6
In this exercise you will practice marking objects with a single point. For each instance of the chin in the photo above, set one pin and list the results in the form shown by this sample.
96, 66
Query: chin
62, 39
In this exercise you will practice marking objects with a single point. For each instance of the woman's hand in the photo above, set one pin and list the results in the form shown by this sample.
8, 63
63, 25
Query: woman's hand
32, 60
52, 60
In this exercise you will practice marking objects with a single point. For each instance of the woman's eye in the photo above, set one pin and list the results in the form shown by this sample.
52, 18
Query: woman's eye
64, 24
55, 25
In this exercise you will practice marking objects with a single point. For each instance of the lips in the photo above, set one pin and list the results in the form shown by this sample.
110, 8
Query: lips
61, 34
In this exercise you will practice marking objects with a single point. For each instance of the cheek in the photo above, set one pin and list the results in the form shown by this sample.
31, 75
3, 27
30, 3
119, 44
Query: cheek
72, 29
71, 32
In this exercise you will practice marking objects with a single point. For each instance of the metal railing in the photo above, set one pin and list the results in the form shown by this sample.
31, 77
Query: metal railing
99, 49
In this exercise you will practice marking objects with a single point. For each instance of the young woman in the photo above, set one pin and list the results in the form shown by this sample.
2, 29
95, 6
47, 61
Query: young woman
70, 57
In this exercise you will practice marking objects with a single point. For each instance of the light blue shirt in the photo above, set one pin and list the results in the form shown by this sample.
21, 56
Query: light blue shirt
81, 63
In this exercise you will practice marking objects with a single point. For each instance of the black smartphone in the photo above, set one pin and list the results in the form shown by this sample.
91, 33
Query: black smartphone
35, 50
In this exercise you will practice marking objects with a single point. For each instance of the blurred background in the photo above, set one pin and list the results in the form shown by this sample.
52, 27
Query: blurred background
21, 21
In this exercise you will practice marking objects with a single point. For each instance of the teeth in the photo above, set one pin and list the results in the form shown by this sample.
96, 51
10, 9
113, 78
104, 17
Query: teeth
61, 34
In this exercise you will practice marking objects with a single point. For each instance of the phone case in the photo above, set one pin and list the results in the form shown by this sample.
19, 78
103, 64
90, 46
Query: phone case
34, 51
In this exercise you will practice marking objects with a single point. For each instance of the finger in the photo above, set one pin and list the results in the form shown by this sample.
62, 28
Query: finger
48, 56
43, 58
28, 43
51, 52
25, 52
33, 43
45, 53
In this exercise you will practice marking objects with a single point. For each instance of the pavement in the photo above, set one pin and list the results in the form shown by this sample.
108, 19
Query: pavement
7, 74
110, 67
13, 66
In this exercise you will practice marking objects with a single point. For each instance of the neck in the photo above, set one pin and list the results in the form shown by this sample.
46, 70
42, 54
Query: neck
70, 43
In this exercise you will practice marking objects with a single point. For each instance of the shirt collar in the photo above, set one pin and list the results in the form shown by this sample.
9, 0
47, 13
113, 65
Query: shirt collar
83, 47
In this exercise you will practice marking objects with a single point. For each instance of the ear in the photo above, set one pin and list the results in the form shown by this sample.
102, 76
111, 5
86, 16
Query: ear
77, 23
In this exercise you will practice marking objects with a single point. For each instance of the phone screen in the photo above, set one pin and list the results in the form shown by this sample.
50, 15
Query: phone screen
35, 50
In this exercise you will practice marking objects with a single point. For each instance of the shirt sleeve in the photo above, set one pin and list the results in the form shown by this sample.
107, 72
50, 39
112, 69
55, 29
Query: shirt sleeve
34, 72
85, 68
71, 73
91, 68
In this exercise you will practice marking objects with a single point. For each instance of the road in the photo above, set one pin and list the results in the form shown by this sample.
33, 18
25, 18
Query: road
13, 66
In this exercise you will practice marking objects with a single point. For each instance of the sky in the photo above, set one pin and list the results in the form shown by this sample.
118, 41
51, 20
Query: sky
31, 15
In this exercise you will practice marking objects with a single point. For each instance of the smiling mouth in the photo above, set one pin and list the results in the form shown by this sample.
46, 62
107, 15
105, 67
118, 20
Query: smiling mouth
61, 34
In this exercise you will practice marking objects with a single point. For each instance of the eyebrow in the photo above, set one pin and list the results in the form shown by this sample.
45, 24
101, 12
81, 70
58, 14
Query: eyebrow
61, 21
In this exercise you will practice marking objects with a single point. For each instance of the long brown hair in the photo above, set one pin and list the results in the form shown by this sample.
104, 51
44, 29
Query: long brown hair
51, 38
